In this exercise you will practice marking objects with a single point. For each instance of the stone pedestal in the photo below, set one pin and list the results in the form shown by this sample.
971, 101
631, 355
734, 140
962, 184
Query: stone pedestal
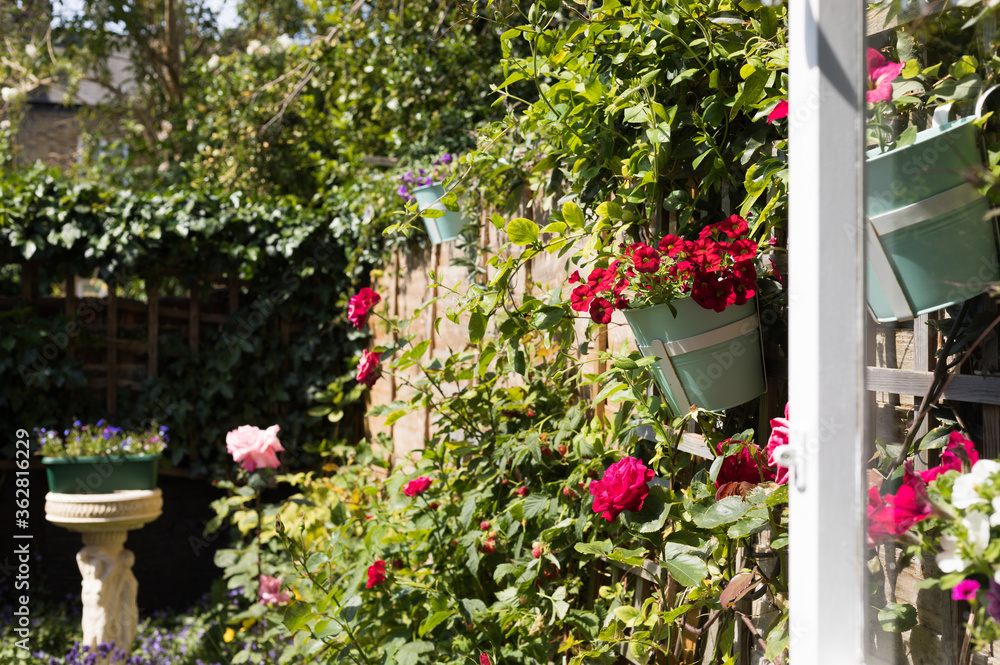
110, 613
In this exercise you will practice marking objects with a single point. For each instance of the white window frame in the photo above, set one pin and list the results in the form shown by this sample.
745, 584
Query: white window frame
827, 321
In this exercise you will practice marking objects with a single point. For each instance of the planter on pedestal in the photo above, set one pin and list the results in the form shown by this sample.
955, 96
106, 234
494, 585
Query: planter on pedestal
110, 613
707, 358
101, 475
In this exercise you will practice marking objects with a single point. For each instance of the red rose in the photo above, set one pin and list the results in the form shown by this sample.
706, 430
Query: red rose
376, 574
417, 486
368, 368
623, 487
749, 465
360, 305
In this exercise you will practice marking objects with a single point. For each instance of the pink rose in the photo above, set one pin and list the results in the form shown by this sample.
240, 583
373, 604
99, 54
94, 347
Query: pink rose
360, 305
417, 486
623, 487
254, 448
376, 574
779, 437
368, 368
484, 659
270, 592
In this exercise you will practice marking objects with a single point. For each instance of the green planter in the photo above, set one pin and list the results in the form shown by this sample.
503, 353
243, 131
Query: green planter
439, 229
710, 359
929, 241
100, 475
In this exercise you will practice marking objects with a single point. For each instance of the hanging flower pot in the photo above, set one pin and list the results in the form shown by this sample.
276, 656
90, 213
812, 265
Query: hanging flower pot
709, 346
101, 475
439, 229
100, 459
930, 242
707, 358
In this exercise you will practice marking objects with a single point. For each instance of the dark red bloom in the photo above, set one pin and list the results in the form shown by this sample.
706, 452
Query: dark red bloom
601, 310
580, 298
880, 522
743, 249
484, 659
646, 259
704, 255
749, 465
360, 305
711, 293
672, 245
575, 277
745, 273
624, 486
621, 303
733, 226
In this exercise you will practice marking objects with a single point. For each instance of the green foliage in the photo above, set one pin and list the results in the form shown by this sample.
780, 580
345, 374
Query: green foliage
297, 264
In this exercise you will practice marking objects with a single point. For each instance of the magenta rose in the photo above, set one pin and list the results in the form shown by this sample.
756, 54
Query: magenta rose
623, 487
253, 448
417, 486
360, 305
376, 574
368, 368
779, 437
270, 592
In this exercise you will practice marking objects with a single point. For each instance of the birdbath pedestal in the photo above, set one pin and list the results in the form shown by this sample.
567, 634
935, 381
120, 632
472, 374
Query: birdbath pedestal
110, 612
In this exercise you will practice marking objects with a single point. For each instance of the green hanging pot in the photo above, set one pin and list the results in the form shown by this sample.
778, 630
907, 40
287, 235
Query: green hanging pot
101, 475
439, 229
930, 241
710, 359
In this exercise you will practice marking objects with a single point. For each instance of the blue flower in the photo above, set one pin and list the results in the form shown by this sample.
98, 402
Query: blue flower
76, 423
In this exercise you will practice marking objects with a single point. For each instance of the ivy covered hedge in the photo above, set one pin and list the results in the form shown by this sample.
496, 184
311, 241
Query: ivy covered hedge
297, 264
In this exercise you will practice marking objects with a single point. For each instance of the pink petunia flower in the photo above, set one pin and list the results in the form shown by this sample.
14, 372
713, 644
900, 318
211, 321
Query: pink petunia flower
881, 74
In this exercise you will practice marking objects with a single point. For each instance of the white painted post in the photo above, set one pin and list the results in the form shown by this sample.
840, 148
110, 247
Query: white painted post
826, 331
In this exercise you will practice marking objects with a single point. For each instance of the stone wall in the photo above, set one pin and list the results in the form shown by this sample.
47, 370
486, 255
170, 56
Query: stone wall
50, 133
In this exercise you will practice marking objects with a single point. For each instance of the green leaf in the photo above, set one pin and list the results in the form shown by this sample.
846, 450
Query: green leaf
684, 566
777, 640
573, 215
315, 560
626, 613
596, 548
548, 317
522, 231
477, 327
897, 617
297, 615
726, 511
936, 438
431, 622
534, 504
409, 654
